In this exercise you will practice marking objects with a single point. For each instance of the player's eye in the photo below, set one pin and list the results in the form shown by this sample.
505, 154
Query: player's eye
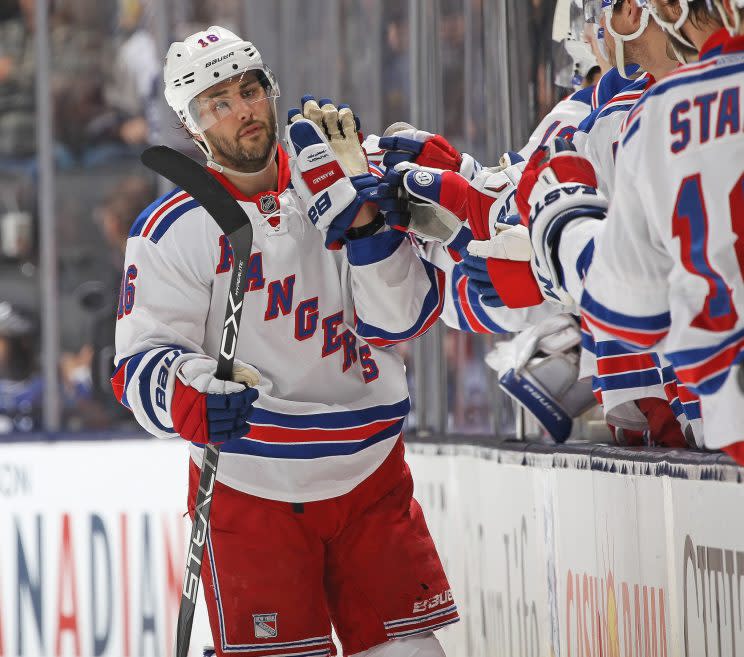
251, 93
220, 106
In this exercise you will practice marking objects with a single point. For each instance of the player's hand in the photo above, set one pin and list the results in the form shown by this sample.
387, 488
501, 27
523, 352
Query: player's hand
498, 238
340, 126
334, 196
491, 196
430, 203
479, 282
205, 409
557, 187
404, 143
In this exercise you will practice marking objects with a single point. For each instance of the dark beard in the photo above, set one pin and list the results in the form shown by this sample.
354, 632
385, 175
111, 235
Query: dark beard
251, 160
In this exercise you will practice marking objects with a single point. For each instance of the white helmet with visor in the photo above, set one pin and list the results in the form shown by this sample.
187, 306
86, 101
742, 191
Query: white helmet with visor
209, 59
568, 31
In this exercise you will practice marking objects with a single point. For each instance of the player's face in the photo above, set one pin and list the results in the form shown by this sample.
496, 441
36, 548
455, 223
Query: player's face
239, 122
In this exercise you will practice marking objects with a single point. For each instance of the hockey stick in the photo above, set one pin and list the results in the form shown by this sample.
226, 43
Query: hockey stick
234, 223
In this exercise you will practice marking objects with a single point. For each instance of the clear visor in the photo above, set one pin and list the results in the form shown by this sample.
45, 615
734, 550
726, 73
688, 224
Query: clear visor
239, 96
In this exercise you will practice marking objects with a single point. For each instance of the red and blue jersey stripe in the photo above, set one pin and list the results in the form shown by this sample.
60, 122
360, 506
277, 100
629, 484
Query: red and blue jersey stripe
704, 369
471, 315
431, 309
319, 435
620, 369
636, 331
155, 220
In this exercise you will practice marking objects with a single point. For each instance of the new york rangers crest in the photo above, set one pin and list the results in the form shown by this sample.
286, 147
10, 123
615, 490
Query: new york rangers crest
265, 626
268, 204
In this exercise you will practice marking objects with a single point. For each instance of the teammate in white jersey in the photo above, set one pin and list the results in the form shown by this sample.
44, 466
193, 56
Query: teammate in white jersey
628, 385
312, 472
677, 282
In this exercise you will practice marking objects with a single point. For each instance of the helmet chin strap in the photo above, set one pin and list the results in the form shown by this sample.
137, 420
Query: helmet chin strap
205, 148
221, 168
620, 40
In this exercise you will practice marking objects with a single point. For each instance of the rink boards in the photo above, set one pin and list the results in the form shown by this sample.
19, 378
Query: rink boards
587, 552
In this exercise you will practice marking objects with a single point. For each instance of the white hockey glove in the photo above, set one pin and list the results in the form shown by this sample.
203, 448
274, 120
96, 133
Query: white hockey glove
328, 167
557, 187
341, 129
539, 369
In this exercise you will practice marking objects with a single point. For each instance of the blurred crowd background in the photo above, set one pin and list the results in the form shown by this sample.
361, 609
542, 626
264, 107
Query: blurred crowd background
481, 72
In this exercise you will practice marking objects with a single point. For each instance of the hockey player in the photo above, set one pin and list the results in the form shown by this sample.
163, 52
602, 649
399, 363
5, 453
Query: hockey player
313, 521
678, 283
637, 47
623, 381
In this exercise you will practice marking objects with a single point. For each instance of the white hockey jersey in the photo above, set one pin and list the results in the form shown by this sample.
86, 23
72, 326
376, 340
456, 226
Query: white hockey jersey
562, 121
678, 211
464, 309
599, 134
316, 323
619, 375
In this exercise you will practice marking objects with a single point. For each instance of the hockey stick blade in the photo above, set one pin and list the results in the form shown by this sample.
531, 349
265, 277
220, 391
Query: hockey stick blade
235, 224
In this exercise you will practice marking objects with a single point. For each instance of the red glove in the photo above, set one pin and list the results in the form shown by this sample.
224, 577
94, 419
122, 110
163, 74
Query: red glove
205, 409
548, 167
490, 213
421, 147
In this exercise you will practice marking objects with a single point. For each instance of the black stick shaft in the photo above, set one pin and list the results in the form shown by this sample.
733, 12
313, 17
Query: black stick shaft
236, 225
203, 504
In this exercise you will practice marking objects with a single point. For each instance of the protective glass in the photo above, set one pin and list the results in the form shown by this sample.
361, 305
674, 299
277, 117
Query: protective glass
239, 95
593, 11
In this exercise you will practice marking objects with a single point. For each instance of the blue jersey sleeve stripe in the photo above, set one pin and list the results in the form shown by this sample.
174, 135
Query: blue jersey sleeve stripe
650, 323
481, 315
169, 219
375, 248
432, 303
141, 220
606, 348
640, 379
687, 357
145, 379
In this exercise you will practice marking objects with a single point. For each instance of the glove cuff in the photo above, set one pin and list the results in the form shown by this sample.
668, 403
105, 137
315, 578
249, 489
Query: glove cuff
469, 167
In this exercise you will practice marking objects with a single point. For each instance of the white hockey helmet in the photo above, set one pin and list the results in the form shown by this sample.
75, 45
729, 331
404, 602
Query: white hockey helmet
593, 12
203, 60
568, 30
